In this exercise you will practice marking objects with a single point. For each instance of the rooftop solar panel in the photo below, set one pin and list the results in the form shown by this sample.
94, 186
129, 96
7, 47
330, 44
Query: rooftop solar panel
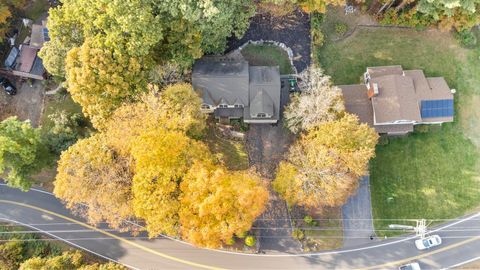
46, 37
437, 108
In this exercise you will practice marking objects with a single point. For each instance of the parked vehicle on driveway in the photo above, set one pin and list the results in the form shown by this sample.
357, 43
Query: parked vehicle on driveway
8, 86
428, 242
410, 266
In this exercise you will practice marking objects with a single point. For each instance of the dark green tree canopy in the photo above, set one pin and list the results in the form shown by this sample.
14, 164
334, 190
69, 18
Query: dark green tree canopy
21, 150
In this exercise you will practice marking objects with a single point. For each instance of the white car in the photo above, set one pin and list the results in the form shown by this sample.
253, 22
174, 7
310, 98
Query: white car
428, 242
410, 266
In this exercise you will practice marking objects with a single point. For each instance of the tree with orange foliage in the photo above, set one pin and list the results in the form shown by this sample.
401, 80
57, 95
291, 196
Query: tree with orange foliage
323, 166
217, 204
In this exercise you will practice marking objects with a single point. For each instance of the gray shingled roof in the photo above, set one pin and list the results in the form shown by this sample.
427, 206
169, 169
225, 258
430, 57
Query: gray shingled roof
265, 90
220, 78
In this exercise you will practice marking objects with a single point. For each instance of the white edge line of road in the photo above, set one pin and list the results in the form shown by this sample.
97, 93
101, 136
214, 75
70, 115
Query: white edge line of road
295, 255
462, 263
68, 242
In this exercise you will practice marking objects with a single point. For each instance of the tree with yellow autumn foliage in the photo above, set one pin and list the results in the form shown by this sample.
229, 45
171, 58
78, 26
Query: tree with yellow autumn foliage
5, 14
217, 204
91, 173
162, 158
177, 107
100, 79
324, 165
310, 5
149, 150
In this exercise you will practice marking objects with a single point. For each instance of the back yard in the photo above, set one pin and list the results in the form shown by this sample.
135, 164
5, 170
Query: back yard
431, 175
267, 55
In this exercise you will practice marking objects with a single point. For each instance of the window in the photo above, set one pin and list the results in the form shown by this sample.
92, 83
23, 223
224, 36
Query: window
223, 106
238, 105
205, 107
261, 115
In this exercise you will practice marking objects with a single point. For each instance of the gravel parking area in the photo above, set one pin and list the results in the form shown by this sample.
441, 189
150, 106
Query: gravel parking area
26, 104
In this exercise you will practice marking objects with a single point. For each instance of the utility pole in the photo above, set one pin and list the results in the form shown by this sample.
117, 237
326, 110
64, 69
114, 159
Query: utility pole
420, 229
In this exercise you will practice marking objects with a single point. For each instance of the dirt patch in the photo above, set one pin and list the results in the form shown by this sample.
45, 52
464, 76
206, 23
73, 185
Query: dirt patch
44, 179
293, 30
26, 104
336, 15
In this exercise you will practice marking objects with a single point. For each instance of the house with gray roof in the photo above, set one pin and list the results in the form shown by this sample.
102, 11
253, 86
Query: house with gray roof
232, 89
393, 100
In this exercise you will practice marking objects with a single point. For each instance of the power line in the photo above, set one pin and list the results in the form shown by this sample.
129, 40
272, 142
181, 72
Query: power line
268, 237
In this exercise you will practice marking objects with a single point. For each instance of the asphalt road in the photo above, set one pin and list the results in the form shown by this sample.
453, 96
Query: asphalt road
43, 212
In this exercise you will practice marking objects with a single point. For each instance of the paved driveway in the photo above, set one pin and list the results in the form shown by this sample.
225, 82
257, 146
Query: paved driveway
357, 216
267, 145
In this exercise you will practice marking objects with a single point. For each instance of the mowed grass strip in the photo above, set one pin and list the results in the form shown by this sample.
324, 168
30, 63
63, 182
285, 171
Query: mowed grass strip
432, 175
267, 55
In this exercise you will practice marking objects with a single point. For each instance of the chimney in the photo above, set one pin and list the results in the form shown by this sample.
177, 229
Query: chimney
372, 90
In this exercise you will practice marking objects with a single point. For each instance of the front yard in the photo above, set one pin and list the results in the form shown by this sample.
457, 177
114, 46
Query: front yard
230, 152
433, 175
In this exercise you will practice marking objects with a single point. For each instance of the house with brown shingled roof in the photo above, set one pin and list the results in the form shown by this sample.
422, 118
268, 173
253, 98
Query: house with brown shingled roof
393, 100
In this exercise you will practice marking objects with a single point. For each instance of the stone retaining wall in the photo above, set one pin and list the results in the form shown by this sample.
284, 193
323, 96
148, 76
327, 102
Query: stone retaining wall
273, 43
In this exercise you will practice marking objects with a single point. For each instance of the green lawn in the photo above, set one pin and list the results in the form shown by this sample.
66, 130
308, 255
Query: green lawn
267, 55
431, 175
36, 8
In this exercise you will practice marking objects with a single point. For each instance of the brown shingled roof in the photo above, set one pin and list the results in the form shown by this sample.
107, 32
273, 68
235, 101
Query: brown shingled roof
400, 96
357, 102
396, 100
26, 59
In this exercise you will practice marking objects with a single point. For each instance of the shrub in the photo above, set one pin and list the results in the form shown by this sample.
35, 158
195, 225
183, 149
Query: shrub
422, 128
341, 28
298, 234
250, 241
242, 235
466, 38
64, 131
409, 18
309, 220
316, 20
317, 38
11, 255
41, 249
383, 140
230, 242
